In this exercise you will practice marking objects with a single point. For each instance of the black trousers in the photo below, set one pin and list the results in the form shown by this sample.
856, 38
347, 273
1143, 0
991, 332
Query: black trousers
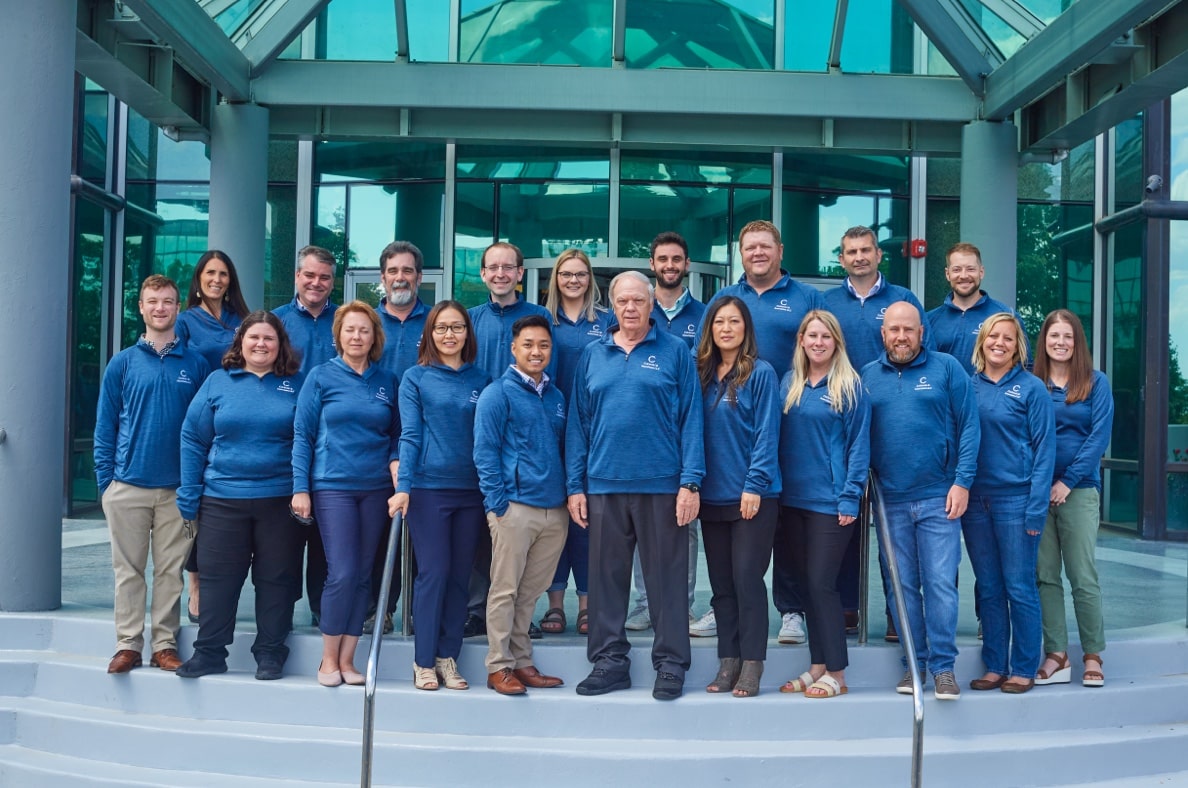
736, 553
786, 585
820, 547
238, 535
618, 523
315, 568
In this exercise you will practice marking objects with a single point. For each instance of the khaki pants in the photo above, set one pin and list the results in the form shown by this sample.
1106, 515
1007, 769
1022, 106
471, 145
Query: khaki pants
525, 544
138, 518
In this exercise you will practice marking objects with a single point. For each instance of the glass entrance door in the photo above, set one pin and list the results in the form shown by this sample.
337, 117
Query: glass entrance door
704, 279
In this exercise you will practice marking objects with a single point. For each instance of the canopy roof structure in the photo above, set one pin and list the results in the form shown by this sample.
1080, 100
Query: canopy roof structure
651, 73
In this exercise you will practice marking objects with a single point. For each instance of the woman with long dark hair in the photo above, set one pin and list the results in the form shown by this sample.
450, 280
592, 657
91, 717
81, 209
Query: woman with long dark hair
739, 496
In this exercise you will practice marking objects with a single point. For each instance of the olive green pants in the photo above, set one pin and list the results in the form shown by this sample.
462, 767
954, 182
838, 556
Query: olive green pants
1070, 538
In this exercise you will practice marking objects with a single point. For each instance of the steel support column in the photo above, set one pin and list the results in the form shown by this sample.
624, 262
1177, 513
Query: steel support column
989, 199
239, 192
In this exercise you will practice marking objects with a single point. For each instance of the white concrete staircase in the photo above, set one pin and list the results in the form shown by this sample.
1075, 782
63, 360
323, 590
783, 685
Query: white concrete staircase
65, 722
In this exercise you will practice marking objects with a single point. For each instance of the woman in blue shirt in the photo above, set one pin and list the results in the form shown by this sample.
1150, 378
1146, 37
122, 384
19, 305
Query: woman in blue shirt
1084, 420
1008, 503
214, 309
739, 498
345, 435
236, 443
824, 462
577, 321
438, 488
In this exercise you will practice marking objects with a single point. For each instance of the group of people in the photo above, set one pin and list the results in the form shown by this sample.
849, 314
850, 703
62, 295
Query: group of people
589, 441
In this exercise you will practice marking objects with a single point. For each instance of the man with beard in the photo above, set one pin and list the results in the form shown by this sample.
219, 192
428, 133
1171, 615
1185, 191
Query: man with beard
402, 314
956, 322
924, 439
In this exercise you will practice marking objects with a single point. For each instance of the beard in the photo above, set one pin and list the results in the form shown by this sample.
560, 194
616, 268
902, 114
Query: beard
903, 356
401, 296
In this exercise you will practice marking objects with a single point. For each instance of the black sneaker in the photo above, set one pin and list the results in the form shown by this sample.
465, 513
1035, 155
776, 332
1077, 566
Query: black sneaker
669, 686
197, 666
601, 681
534, 631
475, 626
269, 669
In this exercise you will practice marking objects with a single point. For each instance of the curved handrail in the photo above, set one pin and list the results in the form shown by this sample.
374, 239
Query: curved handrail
377, 639
905, 633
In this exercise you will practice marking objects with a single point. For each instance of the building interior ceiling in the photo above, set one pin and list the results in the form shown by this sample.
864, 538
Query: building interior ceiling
1092, 66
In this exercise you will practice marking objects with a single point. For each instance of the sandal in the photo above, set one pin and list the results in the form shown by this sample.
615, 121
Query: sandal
826, 687
583, 622
747, 685
1062, 674
1091, 677
424, 678
727, 677
799, 684
553, 621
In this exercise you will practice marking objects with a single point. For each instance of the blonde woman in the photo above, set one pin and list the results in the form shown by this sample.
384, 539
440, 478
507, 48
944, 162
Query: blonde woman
824, 462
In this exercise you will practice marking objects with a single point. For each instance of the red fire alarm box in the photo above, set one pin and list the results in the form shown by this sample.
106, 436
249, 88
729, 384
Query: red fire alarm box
917, 247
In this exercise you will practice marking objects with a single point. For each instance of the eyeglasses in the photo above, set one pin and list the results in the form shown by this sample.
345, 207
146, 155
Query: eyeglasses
506, 269
452, 328
566, 276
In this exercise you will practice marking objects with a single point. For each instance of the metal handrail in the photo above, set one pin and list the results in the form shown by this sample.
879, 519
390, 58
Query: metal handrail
377, 639
905, 633
863, 526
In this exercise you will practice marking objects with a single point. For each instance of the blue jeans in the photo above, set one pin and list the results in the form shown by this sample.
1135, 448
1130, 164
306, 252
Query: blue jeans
575, 557
927, 553
1003, 555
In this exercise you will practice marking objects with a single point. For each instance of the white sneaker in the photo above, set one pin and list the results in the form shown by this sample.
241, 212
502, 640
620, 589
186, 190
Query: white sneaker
792, 629
639, 620
704, 627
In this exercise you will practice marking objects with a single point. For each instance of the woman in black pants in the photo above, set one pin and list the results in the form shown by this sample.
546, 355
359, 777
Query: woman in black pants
824, 462
739, 498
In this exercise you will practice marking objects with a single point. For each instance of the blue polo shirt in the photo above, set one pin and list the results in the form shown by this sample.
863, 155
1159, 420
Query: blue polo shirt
777, 315
312, 337
402, 338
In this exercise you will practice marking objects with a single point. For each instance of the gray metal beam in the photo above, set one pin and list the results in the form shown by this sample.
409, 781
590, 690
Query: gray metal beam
957, 37
263, 45
619, 32
1071, 40
839, 30
1016, 16
401, 30
199, 43
513, 89
1101, 96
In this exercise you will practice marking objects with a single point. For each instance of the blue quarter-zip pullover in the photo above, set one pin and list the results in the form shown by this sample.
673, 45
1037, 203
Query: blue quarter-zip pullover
1083, 432
207, 335
493, 330
346, 429
1018, 448
743, 431
402, 338
924, 427
437, 407
570, 339
518, 437
861, 319
684, 324
955, 330
142, 403
777, 315
635, 421
824, 455
237, 439
312, 336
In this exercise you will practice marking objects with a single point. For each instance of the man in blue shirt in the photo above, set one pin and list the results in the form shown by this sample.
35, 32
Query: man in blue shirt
924, 438
143, 399
309, 320
956, 322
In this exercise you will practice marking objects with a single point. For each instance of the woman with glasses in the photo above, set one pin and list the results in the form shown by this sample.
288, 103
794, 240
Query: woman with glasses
577, 320
438, 488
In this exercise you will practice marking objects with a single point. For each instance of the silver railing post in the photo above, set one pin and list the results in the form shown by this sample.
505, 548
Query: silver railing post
377, 639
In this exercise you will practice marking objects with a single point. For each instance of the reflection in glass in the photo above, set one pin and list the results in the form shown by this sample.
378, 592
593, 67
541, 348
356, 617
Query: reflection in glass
847, 172
86, 360
700, 214
814, 222
378, 161
879, 38
546, 219
572, 32
507, 161
700, 34
1126, 342
696, 167
1128, 163
92, 154
808, 28
474, 231
280, 252
1177, 491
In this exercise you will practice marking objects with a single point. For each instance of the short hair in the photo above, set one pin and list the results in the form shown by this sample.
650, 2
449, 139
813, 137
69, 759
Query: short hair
979, 355
963, 248
669, 237
159, 282
377, 328
504, 245
1080, 366
861, 231
530, 321
593, 295
288, 360
324, 256
759, 226
427, 353
630, 274
233, 298
402, 247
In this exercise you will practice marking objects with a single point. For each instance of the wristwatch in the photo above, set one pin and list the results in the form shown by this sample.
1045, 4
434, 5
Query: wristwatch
691, 487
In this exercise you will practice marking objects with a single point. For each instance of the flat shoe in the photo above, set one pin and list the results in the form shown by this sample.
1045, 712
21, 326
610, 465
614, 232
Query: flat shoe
354, 678
553, 621
1015, 688
1061, 675
988, 684
798, 684
826, 687
331, 679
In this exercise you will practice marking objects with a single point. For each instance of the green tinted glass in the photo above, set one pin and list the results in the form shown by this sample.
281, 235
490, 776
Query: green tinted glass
813, 224
474, 231
700, 214
879, 38
700, 34
546, 219
574, 32
696, 167
1128, 163
377, 161
889, 174
280, 253
499, 162
380, 214
807, 30
92, 155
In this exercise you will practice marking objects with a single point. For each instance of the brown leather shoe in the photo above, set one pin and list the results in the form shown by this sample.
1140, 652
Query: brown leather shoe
166, 659
531, 677
124, 660
505, 682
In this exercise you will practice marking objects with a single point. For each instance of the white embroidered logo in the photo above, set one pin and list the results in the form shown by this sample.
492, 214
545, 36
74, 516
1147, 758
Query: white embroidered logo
650, 363
782, 306
923, 385
286, 387
1015, 392
474, 395
184, 377
382, 394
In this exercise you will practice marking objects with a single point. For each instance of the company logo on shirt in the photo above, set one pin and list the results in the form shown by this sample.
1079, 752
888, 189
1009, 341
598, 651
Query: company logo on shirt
1014, 392
882, 313
286, 387
595, 331
560, 411
382, 394
184, 377
923, 385
976, 329
474, 395
690, 331
650, 363
782, 306
826, 399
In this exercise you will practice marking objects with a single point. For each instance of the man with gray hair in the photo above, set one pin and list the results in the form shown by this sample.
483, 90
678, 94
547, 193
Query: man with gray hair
630, 483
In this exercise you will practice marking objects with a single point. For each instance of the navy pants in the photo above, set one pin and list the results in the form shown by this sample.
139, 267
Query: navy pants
351, 523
